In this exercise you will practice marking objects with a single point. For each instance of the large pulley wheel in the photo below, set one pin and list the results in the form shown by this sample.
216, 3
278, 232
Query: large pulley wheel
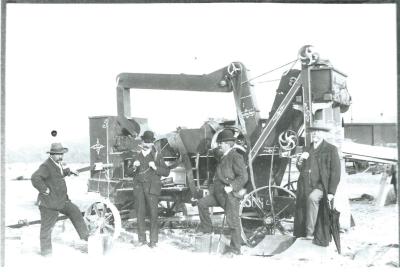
103, 217
265, 210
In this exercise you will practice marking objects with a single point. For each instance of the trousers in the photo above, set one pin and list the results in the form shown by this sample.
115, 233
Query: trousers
312, 210
231, 206
142, 198
48, 219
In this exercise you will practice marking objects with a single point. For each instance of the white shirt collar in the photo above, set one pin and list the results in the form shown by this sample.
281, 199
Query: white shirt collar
146, 152
58, 164
226, 153
318, 144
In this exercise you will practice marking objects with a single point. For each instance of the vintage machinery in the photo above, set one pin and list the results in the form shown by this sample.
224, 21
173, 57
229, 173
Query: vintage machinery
316, 93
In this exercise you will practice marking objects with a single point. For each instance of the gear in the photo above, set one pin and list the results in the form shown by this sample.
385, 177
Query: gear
288, 140
308, 55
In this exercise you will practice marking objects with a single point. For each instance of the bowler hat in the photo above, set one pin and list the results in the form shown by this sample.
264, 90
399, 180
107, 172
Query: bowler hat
57, 148
225, 136
148, 136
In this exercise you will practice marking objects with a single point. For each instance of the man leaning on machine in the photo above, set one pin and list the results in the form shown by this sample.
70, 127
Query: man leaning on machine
229, 180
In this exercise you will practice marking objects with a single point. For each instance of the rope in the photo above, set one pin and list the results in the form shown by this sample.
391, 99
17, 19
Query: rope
293, 61
266, 81
287, 71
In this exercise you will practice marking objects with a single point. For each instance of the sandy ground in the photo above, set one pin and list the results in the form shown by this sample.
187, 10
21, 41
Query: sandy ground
371, 245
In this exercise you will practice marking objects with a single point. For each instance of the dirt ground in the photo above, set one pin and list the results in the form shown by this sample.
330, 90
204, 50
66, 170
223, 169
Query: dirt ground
371, 244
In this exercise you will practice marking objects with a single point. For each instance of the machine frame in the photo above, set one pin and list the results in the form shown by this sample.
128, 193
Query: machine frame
318, 91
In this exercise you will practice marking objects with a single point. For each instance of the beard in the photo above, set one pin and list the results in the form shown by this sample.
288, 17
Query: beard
316, 142
57, 160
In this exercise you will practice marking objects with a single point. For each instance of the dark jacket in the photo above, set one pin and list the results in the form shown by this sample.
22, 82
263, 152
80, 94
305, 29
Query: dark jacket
147, 176
231, 171
49, 176
329, 166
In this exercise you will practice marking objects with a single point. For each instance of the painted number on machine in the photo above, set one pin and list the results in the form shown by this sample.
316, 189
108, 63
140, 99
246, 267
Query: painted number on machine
254, 202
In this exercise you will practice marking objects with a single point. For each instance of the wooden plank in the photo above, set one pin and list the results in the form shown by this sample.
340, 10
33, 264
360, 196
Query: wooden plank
384, 188
307, 104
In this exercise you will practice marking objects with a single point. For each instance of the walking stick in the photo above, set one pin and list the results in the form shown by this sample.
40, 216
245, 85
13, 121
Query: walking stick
220, 235
210, 242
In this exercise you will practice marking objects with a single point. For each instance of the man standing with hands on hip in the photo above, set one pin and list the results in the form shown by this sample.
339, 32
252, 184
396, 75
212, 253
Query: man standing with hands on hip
53, 199
319, 168
147, 170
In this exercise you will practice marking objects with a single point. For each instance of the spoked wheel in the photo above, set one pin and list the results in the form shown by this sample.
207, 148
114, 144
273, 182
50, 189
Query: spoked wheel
103, 217
259, 216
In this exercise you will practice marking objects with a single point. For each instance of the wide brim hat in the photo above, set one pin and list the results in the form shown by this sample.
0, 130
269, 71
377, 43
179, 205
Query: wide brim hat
319, 128
319, 125
57, 148
148, 136
225, 136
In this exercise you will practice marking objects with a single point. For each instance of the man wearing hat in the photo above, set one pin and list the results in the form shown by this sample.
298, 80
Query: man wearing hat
53, 198
147, 170
229, 180
319, 168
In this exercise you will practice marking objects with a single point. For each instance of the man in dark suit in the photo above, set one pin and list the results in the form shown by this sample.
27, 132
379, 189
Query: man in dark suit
147, 170
229, 180
320, 170
53, 198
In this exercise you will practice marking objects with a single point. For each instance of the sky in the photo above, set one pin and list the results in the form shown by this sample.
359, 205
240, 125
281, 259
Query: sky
62, 60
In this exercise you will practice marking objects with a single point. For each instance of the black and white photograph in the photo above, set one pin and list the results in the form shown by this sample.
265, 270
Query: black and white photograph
184, 136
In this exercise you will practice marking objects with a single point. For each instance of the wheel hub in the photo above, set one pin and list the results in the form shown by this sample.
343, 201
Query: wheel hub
269, 220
